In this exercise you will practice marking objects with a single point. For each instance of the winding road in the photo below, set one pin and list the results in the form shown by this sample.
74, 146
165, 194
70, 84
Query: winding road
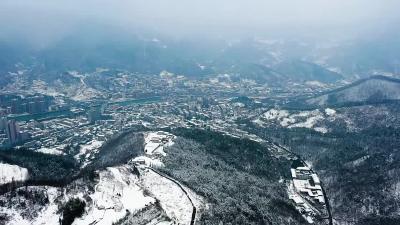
194, 210
328, 207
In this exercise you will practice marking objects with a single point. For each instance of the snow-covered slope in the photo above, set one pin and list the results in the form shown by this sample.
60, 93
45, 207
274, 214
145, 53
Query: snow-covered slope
305, 119
173, 200
374, 89
116, 193
9, 173
34, 212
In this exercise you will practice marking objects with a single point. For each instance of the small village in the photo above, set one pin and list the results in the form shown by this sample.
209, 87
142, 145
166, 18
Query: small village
154, 144
306, 192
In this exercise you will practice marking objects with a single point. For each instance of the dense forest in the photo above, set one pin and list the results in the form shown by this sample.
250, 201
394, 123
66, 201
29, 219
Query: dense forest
360, 168
42, 168
118, 150
238, 177
60, 170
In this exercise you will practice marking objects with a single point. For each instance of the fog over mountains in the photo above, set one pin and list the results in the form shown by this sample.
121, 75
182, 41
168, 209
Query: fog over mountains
177, 36
207, 112
46, 21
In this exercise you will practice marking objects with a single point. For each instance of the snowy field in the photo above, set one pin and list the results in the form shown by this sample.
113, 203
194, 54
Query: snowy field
144, 161
116, 193
46, 215
88, 151
173, 200
304, 119
154, 144
9, 173
51, 151
156, 141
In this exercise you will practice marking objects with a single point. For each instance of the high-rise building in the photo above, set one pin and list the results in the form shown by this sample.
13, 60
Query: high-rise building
94, 114
3, 123
32, 107
42, 106
12, 131
3, 111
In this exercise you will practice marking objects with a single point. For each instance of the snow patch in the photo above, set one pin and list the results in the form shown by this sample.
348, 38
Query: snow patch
323, 130
275, 114
309, 123
87, 150
10, 173
305, 119
51, 151
47, 215
315, 83
116, 193
156, 141
172, 199
148, 162
330, 112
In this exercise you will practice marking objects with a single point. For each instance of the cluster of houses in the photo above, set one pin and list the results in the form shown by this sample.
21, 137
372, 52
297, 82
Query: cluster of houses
306, 192
307, 183
154, 143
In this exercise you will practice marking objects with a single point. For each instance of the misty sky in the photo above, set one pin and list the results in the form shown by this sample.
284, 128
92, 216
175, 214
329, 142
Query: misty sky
45, 20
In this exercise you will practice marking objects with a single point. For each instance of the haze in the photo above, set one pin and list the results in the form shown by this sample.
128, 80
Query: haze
46, 20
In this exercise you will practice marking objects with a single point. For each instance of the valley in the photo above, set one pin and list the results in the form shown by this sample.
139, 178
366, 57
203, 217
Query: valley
168, 161
199, 112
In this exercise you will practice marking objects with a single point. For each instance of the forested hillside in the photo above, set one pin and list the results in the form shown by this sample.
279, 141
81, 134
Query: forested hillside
359, 166
238, 177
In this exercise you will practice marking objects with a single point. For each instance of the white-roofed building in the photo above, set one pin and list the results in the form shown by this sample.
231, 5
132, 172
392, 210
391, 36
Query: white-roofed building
293, 171
315, 178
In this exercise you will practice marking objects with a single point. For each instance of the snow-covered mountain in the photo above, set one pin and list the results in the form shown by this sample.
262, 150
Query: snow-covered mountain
371, 90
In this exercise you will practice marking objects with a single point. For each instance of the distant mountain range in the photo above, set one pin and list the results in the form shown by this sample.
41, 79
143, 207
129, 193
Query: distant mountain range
267, 61
375, 89
307, 71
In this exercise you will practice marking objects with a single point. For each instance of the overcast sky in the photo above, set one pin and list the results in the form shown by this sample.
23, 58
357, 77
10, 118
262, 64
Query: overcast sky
51, 19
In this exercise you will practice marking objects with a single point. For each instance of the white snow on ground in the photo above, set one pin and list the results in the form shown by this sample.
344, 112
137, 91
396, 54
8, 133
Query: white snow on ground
119, 191
116, 193
292, 120
9, 173
306, 119
287, 121
155, 142
154, 149
151, 146
258, 121
17, 219
358, 161
88, 150
315, 83
162, 223
300, 203
330, 112
83, 92
94, 144
275, 114
48, 215
323, 130
42, 87
310, 121
172, 199
148, 162
52, 151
